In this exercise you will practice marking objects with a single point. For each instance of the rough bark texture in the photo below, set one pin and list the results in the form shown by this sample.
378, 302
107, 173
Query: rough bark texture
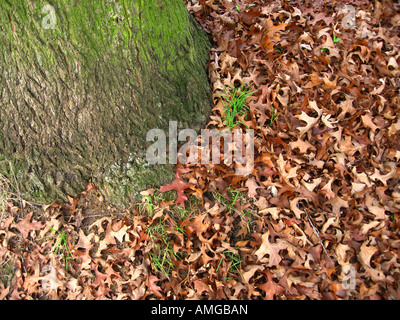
78, 100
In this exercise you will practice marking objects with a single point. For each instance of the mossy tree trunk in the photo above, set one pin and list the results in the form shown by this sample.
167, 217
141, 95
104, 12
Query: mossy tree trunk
82, 82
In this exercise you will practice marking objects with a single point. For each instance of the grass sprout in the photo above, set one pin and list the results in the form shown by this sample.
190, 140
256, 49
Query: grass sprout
234, 260
230, 201
61, 247
235, 106
273, 117
163, 254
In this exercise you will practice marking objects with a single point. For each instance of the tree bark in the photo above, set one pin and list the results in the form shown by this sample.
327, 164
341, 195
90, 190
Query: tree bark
82, 82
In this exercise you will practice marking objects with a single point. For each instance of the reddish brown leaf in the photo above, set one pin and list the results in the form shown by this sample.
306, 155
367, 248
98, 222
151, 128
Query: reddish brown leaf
178, 185
270, 287
25, 226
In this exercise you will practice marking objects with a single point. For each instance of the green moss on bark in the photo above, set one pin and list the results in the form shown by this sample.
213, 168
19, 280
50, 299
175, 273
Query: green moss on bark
79, 99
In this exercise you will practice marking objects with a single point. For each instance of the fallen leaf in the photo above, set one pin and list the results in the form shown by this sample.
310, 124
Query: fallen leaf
270, 287
252, 186
178, 185
272, 249
25, 226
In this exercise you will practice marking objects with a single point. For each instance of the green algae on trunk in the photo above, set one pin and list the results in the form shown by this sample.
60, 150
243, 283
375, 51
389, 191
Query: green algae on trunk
78, 99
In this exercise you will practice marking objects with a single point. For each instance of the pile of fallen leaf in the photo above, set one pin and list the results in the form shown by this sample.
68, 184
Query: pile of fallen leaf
317, 218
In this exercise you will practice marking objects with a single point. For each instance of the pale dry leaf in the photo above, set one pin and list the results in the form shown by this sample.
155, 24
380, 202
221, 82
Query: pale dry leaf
394, 127
383, 177
350, 147
294, 206
252, 186
311, 185
366, 253
361, 177
302, 145
346, 109
367, 121
310, 121
250, 270
337, 203
273, 211
272, 249
327, 121
287, 174
368, 226
327, 189
357, 187
341, 252
375, 208
379, 89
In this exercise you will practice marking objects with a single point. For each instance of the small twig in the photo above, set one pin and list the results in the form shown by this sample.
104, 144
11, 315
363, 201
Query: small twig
317, 233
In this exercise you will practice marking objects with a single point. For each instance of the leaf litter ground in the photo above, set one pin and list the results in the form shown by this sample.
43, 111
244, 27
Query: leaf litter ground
317, 218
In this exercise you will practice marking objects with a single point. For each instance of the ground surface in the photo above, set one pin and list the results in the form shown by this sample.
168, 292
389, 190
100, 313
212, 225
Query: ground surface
317, 217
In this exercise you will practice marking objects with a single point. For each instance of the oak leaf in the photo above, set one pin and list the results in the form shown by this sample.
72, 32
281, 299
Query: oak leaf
366, 253
178, 185
272, 249
350, 147
270, 38
385, 177
249, 272
310, 186
99, 277
327, 189
89, 188
302, 145
310, 121
153, 287
374, 207
201, 286
367, 121
286, 175
252, 186
270, 287
25, 226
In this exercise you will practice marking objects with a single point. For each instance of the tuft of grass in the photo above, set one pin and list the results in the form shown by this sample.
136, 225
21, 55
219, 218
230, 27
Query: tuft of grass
230, 201
161, 259
162, 254
161, 230
233, 197
234, 260
10, 196
278, 50
235, 105
247, 7
273, 117
61, 247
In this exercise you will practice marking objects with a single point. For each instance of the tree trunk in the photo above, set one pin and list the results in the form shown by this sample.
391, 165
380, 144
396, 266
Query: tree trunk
82, 82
